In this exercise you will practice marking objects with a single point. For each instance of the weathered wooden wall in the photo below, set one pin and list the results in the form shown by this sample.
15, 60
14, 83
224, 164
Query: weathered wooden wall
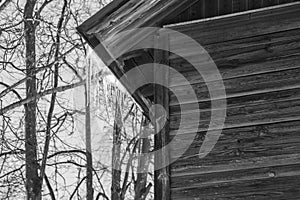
211, 8
258, 154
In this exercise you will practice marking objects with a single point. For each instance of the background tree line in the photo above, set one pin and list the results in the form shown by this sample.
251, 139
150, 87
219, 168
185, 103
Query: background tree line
43, 152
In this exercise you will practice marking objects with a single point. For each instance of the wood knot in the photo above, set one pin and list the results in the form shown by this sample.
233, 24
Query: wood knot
271, 174
262, 131
238, 152
163, 177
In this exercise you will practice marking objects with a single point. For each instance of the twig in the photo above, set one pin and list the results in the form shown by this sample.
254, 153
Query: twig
72, 195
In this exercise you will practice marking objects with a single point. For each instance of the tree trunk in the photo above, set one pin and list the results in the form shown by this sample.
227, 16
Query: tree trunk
141, 188
32, 177
116, 154
89, 158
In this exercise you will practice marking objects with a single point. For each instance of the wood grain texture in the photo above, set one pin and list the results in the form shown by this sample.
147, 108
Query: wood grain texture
238, 117
135, 14
242, 86
241, 143
225, 7
161, 138
232, 68
234, 27
211, 8
239, 102
231, 177
286, 187
258, 153
220, 50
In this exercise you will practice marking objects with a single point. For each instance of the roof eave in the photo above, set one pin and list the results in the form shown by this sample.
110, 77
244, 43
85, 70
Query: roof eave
101, 14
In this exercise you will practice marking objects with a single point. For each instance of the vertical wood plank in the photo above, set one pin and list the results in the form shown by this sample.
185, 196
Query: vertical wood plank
236, 6
267, 3
161, 97
211, 8
203, 10
197, 11
225, 7
244, 5
250, 4
184, 16
285, 1
257, 4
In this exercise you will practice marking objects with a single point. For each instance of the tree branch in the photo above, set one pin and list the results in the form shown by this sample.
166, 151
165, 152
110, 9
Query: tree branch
74, 192
53, 97
39, 95
52, 195
4, 5
7, 90
14, 91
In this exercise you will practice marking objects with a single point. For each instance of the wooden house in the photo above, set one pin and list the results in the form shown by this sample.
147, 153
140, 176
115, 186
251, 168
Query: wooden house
255, 45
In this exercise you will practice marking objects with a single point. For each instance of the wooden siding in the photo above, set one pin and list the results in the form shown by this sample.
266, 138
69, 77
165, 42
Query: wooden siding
258, 153
210, 8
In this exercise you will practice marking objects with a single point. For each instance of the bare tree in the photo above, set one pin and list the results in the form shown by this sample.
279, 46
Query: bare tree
88, 143
41, 153
48, 69
142, 187
32, 177
116, 154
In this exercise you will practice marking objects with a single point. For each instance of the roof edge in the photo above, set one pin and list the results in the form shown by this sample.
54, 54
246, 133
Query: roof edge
102, 13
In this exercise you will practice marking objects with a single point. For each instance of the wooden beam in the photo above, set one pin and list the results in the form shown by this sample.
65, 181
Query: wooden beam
161, 97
